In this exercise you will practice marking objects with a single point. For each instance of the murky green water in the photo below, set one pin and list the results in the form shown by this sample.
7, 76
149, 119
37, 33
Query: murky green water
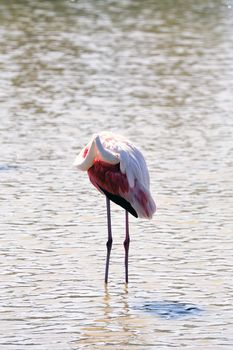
161, 73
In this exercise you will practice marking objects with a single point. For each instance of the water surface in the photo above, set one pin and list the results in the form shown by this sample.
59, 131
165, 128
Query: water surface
161, 74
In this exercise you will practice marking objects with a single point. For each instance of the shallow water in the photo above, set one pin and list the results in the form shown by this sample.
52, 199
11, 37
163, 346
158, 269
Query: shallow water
162, 75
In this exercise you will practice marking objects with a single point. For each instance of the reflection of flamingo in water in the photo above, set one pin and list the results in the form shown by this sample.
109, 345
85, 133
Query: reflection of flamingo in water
118, 170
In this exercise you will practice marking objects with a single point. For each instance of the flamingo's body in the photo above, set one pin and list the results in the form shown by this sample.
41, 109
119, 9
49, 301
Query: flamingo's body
118, 170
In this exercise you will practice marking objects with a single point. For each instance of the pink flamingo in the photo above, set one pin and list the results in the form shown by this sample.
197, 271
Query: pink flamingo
118, 170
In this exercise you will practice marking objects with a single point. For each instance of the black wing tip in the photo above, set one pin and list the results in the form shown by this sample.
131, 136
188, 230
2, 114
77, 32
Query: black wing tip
120, 201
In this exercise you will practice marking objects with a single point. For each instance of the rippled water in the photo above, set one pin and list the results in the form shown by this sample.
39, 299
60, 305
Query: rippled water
161, 74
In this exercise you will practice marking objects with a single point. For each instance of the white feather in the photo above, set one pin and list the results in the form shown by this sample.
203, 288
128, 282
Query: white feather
105, 154
132, 162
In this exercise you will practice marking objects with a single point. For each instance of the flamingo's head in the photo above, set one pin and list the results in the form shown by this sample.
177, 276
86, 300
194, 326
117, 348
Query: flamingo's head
95, 150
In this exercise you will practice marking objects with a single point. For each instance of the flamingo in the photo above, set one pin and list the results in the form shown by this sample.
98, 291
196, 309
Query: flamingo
119, 171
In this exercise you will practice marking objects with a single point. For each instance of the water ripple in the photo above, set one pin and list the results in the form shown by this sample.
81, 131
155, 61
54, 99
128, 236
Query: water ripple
162, 75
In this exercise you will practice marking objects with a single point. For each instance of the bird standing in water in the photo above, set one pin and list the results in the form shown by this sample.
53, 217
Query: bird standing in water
119, 171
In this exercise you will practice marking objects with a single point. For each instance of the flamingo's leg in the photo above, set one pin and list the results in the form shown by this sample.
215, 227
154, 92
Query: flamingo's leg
109, 242
126, 245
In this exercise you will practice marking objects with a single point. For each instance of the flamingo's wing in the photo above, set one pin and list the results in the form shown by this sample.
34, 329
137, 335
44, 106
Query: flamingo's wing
133, 172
